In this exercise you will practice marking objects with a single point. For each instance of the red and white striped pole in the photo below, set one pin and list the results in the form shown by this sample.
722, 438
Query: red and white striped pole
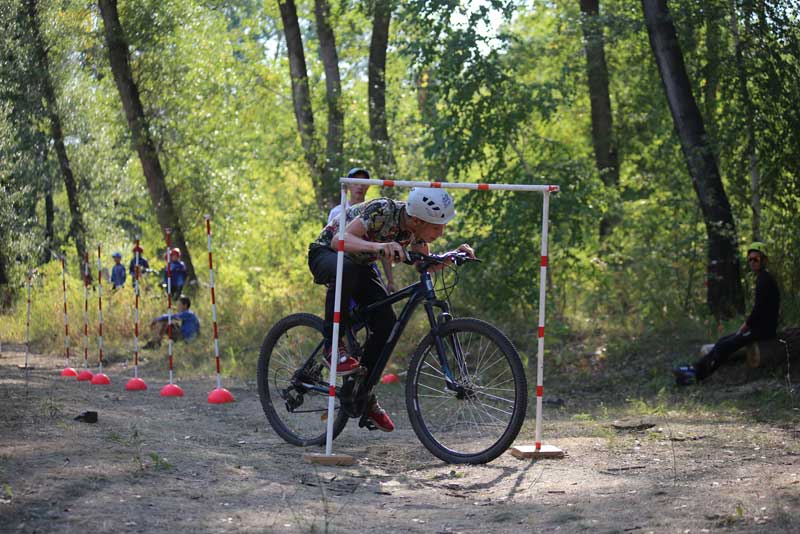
28, 321
219, 395
540, 329
100, 378
86, 374
170, 390
68, 371
136, 383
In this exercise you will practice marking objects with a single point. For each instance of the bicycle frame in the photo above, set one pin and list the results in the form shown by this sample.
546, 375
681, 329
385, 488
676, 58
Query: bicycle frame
419, 292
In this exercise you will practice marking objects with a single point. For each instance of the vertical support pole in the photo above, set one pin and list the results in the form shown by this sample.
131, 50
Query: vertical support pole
66, 315
99, 308
337, 306
28, 321
540, 330
100, 378
85, 375
220, 395
68, 371
169, 306
136, 383
136, 272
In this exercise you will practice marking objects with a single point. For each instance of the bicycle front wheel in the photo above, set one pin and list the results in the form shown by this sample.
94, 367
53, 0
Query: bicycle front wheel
293, 382
474, 417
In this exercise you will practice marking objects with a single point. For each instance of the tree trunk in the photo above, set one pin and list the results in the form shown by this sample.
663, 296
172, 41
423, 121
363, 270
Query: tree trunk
713, 16
301, 97
384, 164
605, 147
334, 151
725, 296
49, 217
77, 227
749, 117
137, 122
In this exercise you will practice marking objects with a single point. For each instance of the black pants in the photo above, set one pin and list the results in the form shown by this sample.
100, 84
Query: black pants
361, 283
723, 348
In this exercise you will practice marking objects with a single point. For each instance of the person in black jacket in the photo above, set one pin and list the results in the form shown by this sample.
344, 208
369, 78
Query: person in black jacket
762, 323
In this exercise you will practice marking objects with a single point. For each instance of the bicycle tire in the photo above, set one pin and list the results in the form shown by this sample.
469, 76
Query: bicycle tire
485, 421
287, 346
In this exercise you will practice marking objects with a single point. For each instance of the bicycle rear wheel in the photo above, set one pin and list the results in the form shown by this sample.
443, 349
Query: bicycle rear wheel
293, 381
477, 419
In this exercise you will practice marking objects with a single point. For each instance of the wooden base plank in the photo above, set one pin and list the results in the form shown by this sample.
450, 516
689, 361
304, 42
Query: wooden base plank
333, 459
529, 451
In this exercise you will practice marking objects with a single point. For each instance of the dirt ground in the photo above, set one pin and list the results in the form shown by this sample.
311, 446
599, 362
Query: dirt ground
181, 465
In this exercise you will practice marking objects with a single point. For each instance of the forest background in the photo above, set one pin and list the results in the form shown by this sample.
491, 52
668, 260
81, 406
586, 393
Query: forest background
250, 110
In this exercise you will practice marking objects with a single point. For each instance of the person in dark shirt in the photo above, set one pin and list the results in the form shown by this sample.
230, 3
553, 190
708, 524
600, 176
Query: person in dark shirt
762, 323
143, 264
117, 271
189, 327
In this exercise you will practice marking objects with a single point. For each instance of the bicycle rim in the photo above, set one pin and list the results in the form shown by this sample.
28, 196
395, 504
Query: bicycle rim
480, 419
296, 412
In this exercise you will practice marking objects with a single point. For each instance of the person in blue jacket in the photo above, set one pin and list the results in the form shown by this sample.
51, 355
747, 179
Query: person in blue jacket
177, 272
117, 271
143, 263
189, 324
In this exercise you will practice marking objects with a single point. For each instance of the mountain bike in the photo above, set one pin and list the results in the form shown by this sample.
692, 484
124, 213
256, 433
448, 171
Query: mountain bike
465, 393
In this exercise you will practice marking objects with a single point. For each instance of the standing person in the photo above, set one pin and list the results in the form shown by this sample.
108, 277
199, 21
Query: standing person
177, 272
117, 271
379, 227
762, 323
143, 264
356, 195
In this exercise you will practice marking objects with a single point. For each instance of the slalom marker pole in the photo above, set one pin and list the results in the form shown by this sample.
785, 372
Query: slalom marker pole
220, 395
68, 371
28, 321
337, 307
136, 383
85, 375
100, 379
171, 389
540, 330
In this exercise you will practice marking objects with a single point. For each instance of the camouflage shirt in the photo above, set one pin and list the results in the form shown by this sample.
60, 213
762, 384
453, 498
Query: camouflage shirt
381, 217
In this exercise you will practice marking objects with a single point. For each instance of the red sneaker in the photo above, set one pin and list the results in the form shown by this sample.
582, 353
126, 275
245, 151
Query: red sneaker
345, 365
380, 417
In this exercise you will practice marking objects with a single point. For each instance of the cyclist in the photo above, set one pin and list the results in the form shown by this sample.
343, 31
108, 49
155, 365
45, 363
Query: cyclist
380, 227
762, 322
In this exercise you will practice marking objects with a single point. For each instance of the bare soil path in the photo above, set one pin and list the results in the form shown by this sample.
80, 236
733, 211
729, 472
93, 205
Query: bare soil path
152, 464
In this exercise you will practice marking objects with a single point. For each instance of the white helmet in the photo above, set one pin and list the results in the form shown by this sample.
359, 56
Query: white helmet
431, 205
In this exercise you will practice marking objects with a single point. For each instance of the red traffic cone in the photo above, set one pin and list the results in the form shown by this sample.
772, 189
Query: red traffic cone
85, 376
390, 378
220, 396
135, 384
100, 379
171, 390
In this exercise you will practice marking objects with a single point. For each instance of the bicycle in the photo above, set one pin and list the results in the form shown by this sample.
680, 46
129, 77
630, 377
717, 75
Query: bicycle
466, 391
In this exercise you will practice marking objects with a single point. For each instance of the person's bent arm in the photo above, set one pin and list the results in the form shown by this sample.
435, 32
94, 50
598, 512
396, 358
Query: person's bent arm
354, 241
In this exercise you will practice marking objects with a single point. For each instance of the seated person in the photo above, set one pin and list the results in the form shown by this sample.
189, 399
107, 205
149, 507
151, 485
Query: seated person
762, 323
188, 330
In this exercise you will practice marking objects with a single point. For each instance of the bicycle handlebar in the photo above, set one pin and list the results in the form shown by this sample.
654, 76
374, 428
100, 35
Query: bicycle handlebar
427, 260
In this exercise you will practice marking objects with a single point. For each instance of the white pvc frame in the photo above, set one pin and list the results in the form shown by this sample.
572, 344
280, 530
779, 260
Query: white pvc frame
545, 189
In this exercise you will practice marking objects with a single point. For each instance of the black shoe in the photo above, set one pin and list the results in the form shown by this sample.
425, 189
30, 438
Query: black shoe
685, 375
